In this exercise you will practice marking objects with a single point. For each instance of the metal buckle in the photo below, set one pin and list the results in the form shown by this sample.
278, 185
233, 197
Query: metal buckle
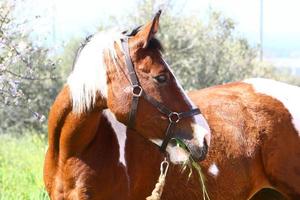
137, 90
174, 117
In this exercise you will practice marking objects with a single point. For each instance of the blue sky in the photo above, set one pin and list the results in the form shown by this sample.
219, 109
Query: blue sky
281, 19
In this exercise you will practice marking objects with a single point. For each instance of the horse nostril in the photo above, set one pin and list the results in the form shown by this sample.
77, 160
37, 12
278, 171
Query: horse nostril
197, 153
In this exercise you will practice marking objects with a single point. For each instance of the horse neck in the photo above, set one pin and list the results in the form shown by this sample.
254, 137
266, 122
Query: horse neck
69, 132
105, 143
140, 151
143, 161
105, 148
143, 167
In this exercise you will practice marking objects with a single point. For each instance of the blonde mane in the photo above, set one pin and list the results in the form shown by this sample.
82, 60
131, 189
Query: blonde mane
89, 77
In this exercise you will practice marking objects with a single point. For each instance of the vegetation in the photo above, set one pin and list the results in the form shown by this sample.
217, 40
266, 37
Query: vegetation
21, 163
201, 54
29, 79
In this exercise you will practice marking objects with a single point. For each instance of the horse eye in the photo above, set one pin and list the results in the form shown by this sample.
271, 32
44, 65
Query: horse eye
160, 78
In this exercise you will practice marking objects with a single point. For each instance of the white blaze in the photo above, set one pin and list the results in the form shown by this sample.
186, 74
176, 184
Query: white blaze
201, 129
200, 126
288, 95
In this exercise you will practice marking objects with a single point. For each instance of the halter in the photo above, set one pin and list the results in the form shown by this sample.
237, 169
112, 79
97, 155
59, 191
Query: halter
137, 92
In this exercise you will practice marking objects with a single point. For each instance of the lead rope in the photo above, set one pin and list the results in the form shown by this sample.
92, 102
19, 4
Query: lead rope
159, 186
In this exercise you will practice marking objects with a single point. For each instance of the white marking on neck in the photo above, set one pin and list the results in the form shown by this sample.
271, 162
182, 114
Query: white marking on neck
288, 95
213, 169
120, 131
89, 77
200, 126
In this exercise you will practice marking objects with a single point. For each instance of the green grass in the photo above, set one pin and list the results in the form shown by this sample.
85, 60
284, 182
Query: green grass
21, 167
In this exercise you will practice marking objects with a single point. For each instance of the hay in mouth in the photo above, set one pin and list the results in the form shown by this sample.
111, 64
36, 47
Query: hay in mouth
191, 164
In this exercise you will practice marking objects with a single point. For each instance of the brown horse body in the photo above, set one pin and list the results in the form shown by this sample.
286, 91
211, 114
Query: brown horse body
112, 71
254, 145
88, 167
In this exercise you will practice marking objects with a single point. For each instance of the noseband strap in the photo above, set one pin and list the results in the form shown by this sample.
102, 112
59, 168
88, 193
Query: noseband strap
137, 92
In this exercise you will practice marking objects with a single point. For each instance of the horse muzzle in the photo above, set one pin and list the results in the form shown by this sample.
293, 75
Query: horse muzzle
197, 153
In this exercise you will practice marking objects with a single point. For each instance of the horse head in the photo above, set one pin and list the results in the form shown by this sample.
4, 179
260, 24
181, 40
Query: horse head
133, 80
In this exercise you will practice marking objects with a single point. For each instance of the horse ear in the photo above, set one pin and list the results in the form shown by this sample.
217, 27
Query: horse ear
148, 31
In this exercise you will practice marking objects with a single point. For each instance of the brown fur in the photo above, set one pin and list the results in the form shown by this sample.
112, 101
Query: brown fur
254, 145
243, 125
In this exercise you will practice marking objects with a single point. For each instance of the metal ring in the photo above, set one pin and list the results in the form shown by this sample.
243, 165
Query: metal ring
177, 117
137, 90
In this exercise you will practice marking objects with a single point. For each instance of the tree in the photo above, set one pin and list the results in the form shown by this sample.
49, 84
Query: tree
205, 54
29, 80
201, 54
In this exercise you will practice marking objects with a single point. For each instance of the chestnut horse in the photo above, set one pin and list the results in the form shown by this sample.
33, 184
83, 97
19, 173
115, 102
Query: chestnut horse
127, 74
255, 145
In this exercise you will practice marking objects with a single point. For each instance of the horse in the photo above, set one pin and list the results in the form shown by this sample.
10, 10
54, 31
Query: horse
254, 146
125, 73
255, 143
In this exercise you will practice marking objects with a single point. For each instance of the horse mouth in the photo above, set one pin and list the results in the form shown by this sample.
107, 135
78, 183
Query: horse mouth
197, 153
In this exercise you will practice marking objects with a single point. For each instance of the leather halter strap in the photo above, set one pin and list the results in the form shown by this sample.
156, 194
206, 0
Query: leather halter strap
137, 92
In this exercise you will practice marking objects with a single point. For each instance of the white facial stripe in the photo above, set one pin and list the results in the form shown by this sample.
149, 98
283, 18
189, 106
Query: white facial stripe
213, 170
186, 98
176, 153
201, 128
120, 131
288, 95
